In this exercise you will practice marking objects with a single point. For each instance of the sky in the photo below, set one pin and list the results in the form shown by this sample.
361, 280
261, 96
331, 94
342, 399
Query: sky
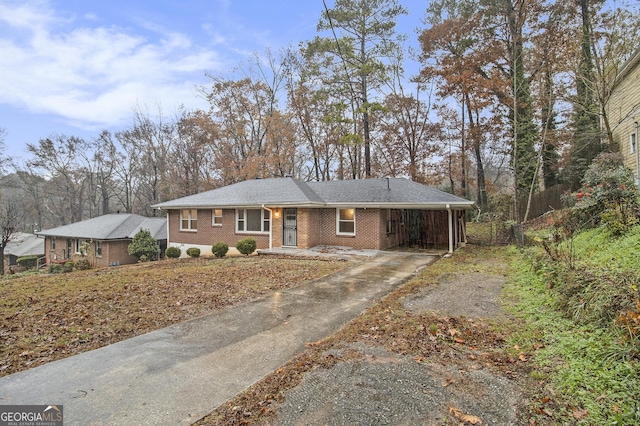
77, 67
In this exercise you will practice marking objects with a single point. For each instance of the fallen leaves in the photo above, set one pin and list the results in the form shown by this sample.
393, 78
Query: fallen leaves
48, 317
467, 418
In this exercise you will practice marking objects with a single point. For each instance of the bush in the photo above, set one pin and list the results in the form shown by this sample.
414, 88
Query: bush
172, 252
144, 244
220, 249
193, 252
246, 246
608, 196
83, 264
68, 267
28, 262
56, 268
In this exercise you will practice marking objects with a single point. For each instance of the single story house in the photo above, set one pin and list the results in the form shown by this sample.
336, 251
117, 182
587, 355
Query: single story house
103, 240
20, 245
284, 212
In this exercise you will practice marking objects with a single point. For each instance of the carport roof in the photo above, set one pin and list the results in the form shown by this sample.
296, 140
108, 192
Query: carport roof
111, 227
283, 192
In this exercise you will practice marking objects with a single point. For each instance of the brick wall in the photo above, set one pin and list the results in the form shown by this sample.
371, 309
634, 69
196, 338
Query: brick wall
112, 251
368, 231
208, 234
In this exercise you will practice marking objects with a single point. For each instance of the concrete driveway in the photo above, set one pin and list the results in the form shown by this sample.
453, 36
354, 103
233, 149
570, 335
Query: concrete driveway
181, 373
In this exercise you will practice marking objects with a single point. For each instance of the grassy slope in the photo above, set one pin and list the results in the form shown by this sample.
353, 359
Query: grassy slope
593, 368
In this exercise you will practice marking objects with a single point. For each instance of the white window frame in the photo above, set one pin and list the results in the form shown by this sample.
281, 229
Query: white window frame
214, 217
265, 218
78, 246
633, 143
190, 220
338, 221
53, 243
98, 248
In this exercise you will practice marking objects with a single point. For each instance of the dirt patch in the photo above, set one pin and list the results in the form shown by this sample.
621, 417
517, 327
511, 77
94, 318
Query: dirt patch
471, 294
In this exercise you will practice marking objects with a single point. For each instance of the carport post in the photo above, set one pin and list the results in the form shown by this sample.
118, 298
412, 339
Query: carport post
270, 226
450, 229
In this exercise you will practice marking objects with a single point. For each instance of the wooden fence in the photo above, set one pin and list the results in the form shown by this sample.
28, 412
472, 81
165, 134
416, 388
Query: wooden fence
542, 202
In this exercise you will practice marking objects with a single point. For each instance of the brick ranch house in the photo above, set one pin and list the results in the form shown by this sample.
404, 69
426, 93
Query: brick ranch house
103, 240
284, 212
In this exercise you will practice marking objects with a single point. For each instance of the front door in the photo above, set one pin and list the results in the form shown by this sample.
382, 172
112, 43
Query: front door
290, 227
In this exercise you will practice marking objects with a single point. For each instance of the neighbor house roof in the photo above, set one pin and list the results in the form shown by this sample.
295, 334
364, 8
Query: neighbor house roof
111, 227
23, 244
372, 193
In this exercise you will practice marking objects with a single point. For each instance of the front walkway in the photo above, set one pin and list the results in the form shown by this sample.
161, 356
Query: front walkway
180, 373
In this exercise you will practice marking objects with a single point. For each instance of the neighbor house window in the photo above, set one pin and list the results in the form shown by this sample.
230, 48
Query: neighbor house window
53, 243
217, 217
346, 221
253, 220
99, 248
189, 219
633, 143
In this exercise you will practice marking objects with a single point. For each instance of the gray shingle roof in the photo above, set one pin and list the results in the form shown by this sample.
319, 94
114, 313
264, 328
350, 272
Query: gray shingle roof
23, 244
387, 193
111, 227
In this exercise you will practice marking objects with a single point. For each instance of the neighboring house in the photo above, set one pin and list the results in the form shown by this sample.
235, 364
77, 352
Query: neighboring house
284, 212
103, 240
623, 112
20, 245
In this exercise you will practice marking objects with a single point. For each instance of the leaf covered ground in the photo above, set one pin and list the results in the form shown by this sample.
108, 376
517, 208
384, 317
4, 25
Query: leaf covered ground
44, 318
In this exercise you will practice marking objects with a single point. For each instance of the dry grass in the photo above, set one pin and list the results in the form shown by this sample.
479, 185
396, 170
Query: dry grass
48, 317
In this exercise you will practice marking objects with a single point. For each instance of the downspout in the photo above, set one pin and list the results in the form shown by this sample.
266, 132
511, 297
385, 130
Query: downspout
270, 226
450, 229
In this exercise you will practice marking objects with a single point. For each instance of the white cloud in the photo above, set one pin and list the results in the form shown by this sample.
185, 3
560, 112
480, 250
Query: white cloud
93, 75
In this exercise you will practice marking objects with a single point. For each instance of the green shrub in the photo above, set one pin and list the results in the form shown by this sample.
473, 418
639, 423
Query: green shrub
144, 244
56, 268
246, 246
68, 267
193, 252
608, 196
28, 262
172, 252
83, 264
220, 249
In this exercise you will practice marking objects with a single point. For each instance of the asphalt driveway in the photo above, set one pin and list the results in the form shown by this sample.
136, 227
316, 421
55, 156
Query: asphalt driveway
180, 373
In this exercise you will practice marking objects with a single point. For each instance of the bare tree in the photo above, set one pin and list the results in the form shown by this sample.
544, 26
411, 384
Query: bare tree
9, 223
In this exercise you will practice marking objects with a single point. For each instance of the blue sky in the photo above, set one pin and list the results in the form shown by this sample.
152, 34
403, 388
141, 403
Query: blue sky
77, 67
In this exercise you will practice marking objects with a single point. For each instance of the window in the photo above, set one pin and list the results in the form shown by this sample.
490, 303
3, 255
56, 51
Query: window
633, 143
189, 220
392, 224
217, 217
346, 219
81, 246
53, 243
99, 248
253, 220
